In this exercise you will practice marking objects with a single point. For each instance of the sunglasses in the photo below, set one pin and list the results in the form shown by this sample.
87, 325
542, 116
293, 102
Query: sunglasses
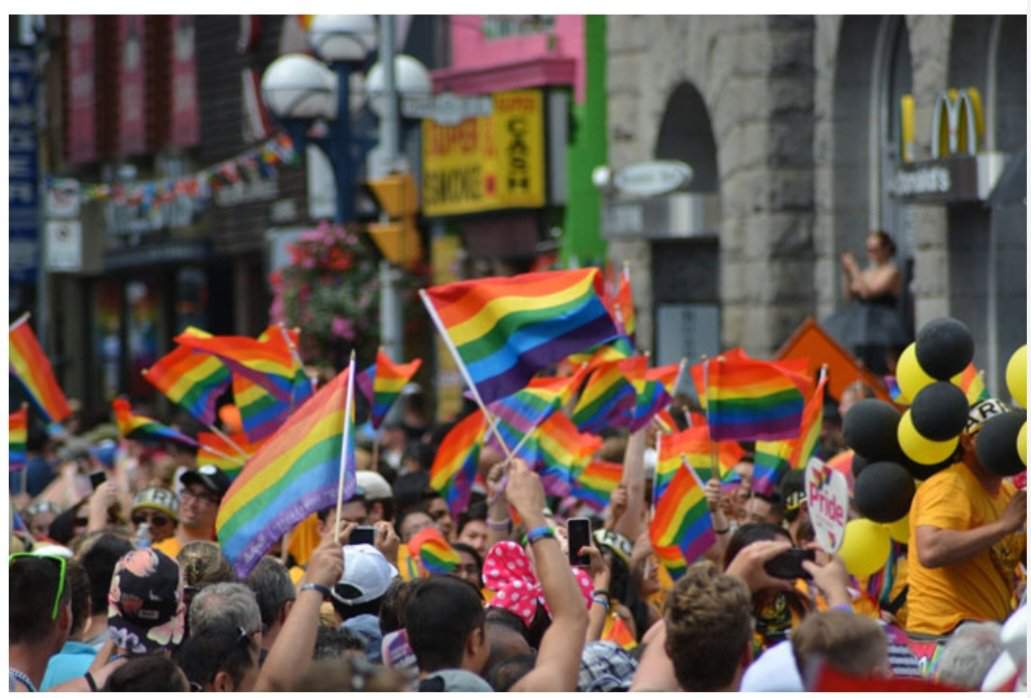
204, 496
438, 515
153, 519
62, 566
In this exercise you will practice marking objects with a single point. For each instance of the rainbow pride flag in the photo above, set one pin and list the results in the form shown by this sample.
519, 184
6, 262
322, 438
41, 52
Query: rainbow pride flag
268, 362
140, 428
30, 366
507, 329
609, 397
214, 451
615, 630
623, 304
666, 421
682, 517
520, 413
190, 379
772, 461
694, 447
260, 412
454, 467
971, 382
434, 552
382, 382
558, 452
668, 376
670, 557
17, 436
698, 373
804, 446
652, 398
749, 399
292, 475
595, 484
614, 350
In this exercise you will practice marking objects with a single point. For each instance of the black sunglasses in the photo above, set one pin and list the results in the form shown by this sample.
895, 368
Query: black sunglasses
153, 519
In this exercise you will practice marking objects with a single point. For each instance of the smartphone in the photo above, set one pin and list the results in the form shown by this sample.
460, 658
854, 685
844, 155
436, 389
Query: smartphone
97, 478
362, 534
788, 565
579, 536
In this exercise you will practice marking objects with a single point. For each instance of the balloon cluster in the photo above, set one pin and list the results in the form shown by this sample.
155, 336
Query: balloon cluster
894, 452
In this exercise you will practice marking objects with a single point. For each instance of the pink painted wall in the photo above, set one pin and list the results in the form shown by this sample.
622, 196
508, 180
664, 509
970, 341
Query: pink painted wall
471, 49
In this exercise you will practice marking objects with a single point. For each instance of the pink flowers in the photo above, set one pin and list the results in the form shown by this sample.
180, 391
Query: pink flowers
342, 327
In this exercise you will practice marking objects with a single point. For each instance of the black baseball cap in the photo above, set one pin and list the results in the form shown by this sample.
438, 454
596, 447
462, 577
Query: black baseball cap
211, 477
792, 490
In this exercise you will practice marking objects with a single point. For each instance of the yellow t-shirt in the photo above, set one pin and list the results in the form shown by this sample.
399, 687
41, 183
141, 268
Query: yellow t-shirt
978, 588
169, 546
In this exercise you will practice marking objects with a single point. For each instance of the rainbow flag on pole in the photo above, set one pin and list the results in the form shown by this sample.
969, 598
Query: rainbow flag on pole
971, 382
609, 398
434, 552
268, 362
454, 467
17, 436
650, 401
140, 428
292, 475
382, 382
520, 413
623, 305
749, 399
30, 366
191, 379
596, 483
804, 446
558, 452
215, 451
694, 447
261, 413
504, 330
772, 461
682, 517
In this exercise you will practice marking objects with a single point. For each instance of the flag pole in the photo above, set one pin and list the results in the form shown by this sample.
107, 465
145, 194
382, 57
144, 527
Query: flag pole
348, 406
713, 446
209, 449
465, 372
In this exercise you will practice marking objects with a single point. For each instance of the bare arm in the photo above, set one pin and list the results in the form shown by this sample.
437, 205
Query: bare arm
938, 547
655, 670
292, 651
876, 283
558, 661
630, 523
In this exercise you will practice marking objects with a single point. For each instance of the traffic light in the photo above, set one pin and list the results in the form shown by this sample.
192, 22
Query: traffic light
398, 237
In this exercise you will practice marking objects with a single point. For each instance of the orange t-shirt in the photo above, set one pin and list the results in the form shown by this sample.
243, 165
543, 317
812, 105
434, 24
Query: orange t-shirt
978, 588
169, 546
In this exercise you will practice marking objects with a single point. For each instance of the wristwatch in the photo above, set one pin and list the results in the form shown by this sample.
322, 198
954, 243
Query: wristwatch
321, 588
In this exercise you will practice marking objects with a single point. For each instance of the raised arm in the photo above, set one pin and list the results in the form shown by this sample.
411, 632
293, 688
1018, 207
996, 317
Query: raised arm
558, 660
630, 523
292, 651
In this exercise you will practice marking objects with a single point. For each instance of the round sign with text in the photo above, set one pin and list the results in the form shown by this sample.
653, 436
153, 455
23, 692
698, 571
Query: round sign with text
826, 492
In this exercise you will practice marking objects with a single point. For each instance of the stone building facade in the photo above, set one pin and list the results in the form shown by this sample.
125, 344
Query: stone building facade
807, 134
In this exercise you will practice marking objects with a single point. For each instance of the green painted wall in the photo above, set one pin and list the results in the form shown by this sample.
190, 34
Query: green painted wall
582, 244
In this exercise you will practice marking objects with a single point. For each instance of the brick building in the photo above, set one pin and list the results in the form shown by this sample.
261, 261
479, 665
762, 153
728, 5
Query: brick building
804, 133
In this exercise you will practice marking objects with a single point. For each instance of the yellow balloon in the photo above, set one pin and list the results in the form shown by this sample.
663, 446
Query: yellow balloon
899, 530
921, 450
1016, 376
910, 376
865, 548
1022, 443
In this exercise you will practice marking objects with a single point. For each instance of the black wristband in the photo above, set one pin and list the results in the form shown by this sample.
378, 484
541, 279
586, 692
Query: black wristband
91, 682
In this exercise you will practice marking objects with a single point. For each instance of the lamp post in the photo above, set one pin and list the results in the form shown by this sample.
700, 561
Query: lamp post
299, 89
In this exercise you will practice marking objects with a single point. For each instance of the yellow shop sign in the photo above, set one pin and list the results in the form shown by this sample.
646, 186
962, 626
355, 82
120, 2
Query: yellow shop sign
486, 162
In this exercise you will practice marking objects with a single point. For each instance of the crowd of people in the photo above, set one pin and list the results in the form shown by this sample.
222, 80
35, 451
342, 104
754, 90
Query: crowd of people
122, 586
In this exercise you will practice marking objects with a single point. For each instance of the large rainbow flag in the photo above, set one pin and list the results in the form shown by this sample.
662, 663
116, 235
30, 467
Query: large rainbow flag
595, 484
454, 467
140, 428
268, 362
292, 475
507, 329
17, 436
261, 413
192, 380
30, 366
382, 382
682, 517
749, 399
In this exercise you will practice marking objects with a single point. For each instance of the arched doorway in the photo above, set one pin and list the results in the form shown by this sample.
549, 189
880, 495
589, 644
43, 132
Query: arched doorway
686, 262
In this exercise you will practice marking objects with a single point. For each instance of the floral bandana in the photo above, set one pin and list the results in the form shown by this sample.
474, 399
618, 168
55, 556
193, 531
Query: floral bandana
507, 571
145, 608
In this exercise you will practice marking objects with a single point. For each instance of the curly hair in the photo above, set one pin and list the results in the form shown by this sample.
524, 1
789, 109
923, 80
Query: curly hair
203, 564
708, 627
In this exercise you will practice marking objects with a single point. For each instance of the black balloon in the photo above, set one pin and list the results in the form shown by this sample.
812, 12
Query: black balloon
884, 491
944, 347
997, 444
871, 430
939, 411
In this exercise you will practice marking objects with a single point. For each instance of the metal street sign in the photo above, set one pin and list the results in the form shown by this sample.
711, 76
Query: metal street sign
447, 109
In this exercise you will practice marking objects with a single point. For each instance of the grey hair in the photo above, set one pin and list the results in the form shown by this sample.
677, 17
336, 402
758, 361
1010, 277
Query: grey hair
270, 581
969, 654
225, 603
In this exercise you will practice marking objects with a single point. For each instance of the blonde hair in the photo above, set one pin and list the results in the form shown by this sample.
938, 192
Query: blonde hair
203, 564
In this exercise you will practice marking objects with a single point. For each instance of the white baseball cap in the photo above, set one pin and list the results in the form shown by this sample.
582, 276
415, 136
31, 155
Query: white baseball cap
367, 575
374, 485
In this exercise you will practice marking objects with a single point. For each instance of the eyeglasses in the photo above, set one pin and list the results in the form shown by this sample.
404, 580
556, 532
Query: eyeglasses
204, 496
153, 518
62, 565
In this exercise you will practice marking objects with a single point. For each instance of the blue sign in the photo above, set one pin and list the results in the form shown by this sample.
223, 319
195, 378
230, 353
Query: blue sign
23, 165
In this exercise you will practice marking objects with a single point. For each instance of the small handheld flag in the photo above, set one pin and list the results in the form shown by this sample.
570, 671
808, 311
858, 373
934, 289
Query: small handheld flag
17, 435
382, 382
434, 552
32, 368
454, 467
140, 428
